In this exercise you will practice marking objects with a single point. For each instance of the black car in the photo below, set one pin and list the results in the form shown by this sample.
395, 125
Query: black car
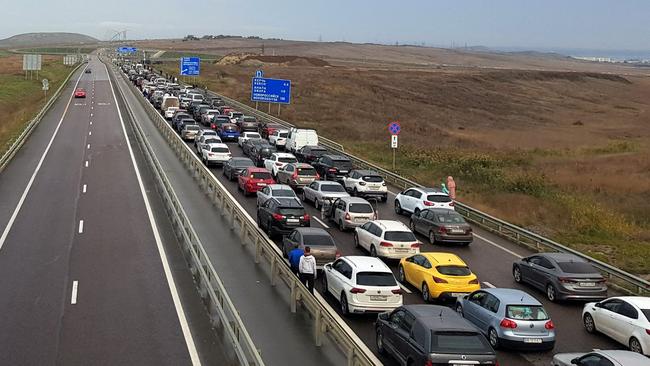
198, 109
248, 144
183, 122
431, 335
233, 167
178, 117
310, 153
219, 120
261, 151
88, 70
281, 216
333, 167
441, 225
193, 105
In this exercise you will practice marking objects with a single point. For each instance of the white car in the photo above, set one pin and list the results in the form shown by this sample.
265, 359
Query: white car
245, 136
234, 116
365, 183
279, 138
414, 200
201, 142
362, 284
601, 357
320, 191
277, 161
169, 112
274, 190
625, 319
215, 154
387, 239
208, 115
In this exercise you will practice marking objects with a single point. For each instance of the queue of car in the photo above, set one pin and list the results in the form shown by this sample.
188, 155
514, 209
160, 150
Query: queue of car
483, 319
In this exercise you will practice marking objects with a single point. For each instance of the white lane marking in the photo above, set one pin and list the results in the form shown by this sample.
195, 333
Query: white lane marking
10, 224
73, 298
90, 133
498, 246
84, 189
404, 288
187, 333
91, 122
321, 222
81, 226
91, 107
391, 192
88, 147
91, 114
489, 285
86, 164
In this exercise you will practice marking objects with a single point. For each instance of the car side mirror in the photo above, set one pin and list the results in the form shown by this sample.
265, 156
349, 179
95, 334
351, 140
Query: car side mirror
575, 361
525, 260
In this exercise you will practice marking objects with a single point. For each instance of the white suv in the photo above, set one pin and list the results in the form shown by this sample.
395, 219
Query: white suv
362, 284
386, 238
277, 161
365, 183
215, 153
279, 138
245, 136
414, 200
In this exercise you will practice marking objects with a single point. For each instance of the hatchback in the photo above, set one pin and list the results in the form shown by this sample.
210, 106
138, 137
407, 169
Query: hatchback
252, 179
386, 238
350, 212
297, 175
321, 243
416, 199
233, 167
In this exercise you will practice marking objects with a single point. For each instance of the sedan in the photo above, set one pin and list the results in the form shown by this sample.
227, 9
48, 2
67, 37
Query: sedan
563, 276
273, 191
320, 192
297, 175
233, 167
441, 226
601, 358
253, 179
321, 243
80, 93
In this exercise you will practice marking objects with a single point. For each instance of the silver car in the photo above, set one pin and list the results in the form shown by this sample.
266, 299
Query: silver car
600, 358
274, 190
320, 192
189, 132
509, 318
350, 212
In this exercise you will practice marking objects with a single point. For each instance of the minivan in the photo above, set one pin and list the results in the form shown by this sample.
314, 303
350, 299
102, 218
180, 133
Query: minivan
300, 137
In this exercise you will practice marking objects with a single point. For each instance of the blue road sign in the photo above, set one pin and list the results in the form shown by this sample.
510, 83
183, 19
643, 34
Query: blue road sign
394, 128
190, 66
259, 74
271, 90
127, 50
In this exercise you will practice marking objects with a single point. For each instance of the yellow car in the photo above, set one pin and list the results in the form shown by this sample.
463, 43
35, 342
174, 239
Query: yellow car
438, 275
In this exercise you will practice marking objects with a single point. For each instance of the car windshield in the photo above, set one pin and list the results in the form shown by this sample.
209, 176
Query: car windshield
376, 279
577, 267
243, 163
526, 312
261, 175
220, 150
440, 198
288, 159
253, 136
399, 236
360, 208
306, 171
459, 342
283, 193
342, 164
291, 211
317, 239
237, 114
331, 188
454, 270
450, 218
373, 178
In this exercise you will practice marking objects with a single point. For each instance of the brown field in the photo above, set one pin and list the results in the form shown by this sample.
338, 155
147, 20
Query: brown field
559, 146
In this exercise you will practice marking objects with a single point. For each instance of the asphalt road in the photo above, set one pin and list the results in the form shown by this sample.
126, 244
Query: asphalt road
81, 249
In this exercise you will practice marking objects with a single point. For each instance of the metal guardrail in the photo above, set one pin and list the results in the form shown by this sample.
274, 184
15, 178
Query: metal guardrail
27, 131
325, 320
222, 311
623, 280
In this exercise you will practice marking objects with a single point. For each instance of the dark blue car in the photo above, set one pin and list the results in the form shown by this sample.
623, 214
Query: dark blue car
228, 131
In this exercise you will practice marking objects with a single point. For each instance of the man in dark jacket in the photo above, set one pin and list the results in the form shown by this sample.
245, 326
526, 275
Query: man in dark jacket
294, 258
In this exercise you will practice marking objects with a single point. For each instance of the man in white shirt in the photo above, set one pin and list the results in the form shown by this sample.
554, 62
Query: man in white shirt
307, 268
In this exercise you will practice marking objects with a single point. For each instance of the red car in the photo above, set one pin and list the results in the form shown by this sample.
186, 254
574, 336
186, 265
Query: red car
253, 179
80, 93
267, 129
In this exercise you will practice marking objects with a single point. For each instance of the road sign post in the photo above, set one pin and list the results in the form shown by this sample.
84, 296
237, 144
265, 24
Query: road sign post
190, 66
270, 90
394, 128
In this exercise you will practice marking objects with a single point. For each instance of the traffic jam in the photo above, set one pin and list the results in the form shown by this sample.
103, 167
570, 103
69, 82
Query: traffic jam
392, 263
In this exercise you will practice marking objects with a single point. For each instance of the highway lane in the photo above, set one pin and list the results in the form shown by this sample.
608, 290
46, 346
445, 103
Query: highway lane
84, 280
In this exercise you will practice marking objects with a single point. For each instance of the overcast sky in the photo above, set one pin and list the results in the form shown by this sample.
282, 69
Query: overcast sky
588, 24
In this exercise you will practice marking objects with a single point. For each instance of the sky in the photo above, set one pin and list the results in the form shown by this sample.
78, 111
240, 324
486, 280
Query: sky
529, 24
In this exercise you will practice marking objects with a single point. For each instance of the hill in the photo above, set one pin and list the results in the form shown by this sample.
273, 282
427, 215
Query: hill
46, 39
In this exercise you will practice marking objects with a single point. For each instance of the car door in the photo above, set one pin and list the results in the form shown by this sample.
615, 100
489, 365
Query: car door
292, 241
339, 210
472, 305
486, 312
624, 322
263, 194
530, 270
604, 316
543, 272
241, 178
363, 235
263, 213
422, 271
402, 335
426, 221
282, 174
333, 281
308, 192
414, 200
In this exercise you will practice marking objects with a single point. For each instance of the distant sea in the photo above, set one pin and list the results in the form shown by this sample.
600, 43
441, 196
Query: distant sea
615, 55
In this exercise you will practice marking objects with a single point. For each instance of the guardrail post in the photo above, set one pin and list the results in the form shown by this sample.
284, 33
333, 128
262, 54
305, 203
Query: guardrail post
274, 270
351, 357
294, 295
258, 250
318, 324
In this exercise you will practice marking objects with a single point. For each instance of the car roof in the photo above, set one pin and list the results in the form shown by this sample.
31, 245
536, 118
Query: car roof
443, 258
640, 301
301, 165
277, 187
512, 296
284, 155
623, 357
312, 230
561, 257
251, 132
367, 172
241, 158
436, 317
391, 225
351, 199
218, 144
337, 157
314, 147
442, 211
256, 169
327, 183
365, 263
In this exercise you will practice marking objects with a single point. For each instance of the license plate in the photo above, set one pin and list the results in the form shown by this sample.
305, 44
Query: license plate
532, 340
457, 294
401, 250
374, 188
457, 231
261, 184
378, 298
587, 284
361, 219
293, 220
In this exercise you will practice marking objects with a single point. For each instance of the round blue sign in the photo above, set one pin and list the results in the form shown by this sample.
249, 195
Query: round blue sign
394, 128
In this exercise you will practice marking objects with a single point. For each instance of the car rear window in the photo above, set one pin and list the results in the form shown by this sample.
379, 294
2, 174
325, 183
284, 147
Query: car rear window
440, 198
454, 270
291, 211
332, 188
261, 175
344, 164
283, 193
450, 218
230, 128
243, 163
399, 236
376, 279
315, 239
459, 342
577, 267
373, 178
360, 208
306, 171
212, 141
253, 136
192, 127
220, 150
283, 134
526, 312
287, 160
318, 152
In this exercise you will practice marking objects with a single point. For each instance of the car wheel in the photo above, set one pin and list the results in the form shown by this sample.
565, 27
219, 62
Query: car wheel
325, 288
373, 251
356, 240
459, 310
384, 198
516, 274
341, 225
259, 222
380, 342
551, 293
426, 296
432, 238
355, 193
589, 323
401, 276
269, 229
635, 345
344, 305
493, 338
398, 207
417, 211
302, 195
316, 204
412, 226
231, 177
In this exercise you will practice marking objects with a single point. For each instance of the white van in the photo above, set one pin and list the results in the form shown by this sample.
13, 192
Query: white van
300, 137
169, 101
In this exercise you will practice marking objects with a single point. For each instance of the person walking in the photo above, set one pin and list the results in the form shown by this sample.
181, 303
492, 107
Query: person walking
294, 259
307, 267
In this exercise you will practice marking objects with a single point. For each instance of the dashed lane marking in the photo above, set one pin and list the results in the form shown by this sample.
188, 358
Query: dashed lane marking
489, 285
321, 222
75, 287
81, 226
84, 189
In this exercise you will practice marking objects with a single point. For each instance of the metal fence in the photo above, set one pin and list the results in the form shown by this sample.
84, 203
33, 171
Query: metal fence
625, 281
325, 320
27, 131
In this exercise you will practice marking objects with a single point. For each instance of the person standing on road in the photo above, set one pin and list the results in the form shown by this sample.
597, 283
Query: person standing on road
451, 186
294, 259
307, 267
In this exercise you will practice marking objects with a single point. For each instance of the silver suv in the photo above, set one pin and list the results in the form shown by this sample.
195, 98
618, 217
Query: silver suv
350, 212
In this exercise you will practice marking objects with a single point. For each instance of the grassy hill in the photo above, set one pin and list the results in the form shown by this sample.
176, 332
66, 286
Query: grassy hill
46, 39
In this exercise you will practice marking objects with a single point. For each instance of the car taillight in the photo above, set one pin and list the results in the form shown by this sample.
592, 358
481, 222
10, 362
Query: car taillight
451, 203
333, 170
278, 164
428, 363
439, 280
473, 282
549, 325
566, 280
507, 323
338, 254
278, 217
294, 175
306, 217
428, 203
397, 291
442, 230
374, 216
362, 183
356, 290
317, 176
647, 331
416, 245
347, 216
383, 184
385, 244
